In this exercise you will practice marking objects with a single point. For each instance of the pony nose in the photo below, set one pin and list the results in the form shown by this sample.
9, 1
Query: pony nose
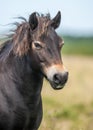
60, 78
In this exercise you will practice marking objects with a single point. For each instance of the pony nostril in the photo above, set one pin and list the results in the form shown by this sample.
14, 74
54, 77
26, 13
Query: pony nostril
60, 79
57, 79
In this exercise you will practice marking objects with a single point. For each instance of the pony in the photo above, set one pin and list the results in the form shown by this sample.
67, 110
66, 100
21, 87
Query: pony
30, 54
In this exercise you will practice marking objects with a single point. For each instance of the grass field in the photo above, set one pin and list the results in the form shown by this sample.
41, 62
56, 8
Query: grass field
78, 45
72, 107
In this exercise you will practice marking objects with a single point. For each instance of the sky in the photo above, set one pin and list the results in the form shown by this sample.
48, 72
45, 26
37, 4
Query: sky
77, 15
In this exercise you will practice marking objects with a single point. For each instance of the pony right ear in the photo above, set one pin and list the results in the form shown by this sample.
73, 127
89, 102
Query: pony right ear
56, 20
33, 21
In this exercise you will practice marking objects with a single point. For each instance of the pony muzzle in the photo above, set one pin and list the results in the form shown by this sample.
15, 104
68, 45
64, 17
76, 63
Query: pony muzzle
57, 75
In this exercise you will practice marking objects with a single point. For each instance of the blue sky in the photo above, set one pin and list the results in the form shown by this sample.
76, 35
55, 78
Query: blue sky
77, 15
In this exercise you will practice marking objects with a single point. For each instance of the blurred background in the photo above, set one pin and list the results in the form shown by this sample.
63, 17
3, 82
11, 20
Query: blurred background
72, 107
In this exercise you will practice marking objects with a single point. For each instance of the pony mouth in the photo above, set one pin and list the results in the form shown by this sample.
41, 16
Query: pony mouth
56, 86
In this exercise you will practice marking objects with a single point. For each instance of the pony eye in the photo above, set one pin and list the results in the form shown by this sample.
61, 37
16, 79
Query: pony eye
37, 45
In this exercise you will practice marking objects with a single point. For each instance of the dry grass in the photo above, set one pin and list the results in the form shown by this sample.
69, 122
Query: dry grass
72, 107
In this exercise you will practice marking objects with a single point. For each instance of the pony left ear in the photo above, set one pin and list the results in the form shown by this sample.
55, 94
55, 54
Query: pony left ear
33, 21
56, 20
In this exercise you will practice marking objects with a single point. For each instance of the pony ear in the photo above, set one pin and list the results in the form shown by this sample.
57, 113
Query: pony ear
56, 20
33, 21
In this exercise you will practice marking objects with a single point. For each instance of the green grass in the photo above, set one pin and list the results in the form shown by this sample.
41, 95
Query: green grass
71, 112
78, 46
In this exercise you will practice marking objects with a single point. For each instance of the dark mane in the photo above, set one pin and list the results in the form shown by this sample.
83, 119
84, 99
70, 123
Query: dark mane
44, 19
22, 35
